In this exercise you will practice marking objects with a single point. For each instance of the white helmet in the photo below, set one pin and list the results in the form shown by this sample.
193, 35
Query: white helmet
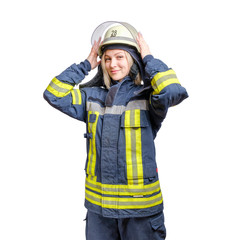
123, 33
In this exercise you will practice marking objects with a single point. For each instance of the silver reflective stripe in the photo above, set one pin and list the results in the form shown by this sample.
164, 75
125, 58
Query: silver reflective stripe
132, 203
95, 107
90, 126
164, 78
138, 104
115, 110
76, 96
133, 149
119, 38
144, 201
116, 190
57, 88
95, 199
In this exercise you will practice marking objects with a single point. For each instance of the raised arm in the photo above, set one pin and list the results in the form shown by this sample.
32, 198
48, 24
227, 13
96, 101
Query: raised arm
167, 90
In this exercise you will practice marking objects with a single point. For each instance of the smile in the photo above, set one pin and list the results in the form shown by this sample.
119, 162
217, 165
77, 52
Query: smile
115, 71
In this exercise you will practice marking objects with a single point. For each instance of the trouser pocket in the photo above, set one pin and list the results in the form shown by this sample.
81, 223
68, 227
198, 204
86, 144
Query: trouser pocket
159, 230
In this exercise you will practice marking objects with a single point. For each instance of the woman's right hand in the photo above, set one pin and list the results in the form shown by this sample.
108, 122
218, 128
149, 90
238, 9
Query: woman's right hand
92, 58
144, 48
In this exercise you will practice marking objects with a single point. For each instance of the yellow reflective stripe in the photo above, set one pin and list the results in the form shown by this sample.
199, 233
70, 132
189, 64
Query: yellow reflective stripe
76, 96
162, 80
133, 146
93, 178
134, 149
95, 200
128, 147
122, 190
92, 155
138, 146
58, 88
123, 203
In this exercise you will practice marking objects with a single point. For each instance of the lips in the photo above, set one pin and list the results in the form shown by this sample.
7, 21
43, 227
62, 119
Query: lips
114, 71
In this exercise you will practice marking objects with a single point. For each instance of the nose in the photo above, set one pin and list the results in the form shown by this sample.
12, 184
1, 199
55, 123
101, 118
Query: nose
113, 63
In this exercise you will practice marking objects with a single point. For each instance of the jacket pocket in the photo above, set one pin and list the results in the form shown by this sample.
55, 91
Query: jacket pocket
134, 119
132, 123
150, 171
91, 143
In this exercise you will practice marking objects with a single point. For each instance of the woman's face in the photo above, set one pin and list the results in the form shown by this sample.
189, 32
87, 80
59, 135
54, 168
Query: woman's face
116, 64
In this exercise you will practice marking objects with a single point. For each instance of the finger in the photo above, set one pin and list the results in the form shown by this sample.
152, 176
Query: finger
138, 38
95, 46
98, 42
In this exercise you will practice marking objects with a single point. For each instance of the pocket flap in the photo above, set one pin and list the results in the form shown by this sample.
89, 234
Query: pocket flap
157, 222
92, 118
150, 170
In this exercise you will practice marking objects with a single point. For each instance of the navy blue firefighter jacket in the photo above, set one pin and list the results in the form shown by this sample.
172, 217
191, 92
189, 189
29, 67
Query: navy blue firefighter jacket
122, 123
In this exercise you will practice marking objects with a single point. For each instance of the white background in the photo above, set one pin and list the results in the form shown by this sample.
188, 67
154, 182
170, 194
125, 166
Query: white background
43, 151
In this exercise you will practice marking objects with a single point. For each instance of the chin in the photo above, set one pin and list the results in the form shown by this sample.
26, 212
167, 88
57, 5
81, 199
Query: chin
115, 78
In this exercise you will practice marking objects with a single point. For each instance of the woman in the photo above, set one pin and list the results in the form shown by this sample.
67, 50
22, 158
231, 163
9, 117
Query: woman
123, 116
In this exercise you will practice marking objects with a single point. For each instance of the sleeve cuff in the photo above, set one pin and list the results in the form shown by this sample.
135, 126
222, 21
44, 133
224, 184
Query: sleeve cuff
88, 65
147, 58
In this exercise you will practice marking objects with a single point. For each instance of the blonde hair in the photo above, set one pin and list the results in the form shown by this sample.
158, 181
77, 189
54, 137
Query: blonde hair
106, 77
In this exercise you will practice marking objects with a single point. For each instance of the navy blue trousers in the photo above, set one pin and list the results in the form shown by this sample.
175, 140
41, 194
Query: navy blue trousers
142, 228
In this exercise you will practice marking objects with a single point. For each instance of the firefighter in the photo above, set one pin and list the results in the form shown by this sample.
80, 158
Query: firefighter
123, 107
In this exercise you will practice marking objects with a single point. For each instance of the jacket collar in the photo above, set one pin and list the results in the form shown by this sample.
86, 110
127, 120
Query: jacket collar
120, 92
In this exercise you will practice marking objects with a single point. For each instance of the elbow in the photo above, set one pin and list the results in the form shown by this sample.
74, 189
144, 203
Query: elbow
45, 95
49, 98
177, 95
182, 95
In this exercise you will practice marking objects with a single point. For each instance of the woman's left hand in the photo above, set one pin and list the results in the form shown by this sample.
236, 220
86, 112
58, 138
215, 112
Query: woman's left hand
144, 48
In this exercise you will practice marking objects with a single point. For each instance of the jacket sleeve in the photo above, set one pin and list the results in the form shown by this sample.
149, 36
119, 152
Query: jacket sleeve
61, 94
167, 90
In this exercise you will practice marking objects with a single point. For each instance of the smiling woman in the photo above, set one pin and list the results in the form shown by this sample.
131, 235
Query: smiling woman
116, 64
123, 107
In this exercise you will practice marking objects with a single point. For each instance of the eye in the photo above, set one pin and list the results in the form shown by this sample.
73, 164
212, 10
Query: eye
107, 59
120, 56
